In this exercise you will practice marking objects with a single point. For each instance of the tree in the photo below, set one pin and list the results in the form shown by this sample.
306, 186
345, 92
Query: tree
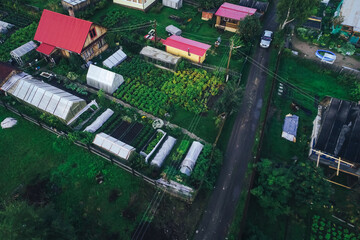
285, 189
230, 99
300, 10
249, 28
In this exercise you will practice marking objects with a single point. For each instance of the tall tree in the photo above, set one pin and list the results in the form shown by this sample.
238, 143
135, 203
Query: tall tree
285, 189
230, 99
290, 10
249, 28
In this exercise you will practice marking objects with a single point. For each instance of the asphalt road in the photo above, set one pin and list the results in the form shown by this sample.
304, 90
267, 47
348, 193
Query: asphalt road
219, 213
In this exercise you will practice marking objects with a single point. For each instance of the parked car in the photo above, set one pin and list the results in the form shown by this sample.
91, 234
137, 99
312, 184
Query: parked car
266, 39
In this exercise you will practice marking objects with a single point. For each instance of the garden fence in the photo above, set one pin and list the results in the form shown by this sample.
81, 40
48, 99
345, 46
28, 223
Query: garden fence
216, 68
106, 156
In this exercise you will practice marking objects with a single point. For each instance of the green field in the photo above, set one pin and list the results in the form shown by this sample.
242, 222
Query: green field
32, 156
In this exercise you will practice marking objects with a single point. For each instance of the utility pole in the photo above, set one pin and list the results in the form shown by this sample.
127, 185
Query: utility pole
228, 64
155, 31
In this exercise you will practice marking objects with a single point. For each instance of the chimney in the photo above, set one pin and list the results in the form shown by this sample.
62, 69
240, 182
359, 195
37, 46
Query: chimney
71, 12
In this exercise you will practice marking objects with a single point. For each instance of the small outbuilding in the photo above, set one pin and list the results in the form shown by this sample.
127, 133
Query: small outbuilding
176, 4
160, 58
99, 121
207, 15
188, 164
113, 145
313, 23
5, 27
183, 47
19, 53
290, 127
115, 59
75, 5
101, 78
172, 30
6, 71
229, 15
163, 152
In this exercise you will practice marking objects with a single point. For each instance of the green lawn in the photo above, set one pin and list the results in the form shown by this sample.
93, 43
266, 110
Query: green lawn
31, 155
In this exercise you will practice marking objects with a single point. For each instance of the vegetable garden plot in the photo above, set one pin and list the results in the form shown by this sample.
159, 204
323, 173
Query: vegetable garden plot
132, 133
143, 137
325, 229
120, 130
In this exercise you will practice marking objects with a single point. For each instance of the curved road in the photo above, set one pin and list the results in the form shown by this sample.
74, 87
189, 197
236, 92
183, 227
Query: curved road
221, 207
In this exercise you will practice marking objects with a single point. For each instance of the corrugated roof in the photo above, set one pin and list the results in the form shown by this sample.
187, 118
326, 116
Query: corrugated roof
350, 11
290, 127
45, 48
118, 57
185, 44
233, 11
62, 31
113, 145
160, 55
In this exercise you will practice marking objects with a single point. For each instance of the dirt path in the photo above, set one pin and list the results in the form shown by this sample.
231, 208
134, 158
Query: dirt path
308, 51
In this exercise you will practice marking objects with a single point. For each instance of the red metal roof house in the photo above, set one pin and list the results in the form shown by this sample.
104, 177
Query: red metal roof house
190, 49
229, 15
65, 34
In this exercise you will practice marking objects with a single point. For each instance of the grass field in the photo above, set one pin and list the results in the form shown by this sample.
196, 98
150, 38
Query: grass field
31, 155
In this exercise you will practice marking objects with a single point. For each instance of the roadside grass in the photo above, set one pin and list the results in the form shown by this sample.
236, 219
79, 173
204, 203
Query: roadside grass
315, 81
31, 155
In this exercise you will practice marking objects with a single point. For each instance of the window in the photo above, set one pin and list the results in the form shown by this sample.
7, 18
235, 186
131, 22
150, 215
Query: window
92, 33
101, 43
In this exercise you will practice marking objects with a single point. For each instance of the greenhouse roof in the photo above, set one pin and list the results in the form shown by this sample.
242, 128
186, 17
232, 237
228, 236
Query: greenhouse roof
23, 49
43, 96
163, 152
113, 145
74, 2
5, 71
159, 55
102, 75
189, 162
118, 57
4, 26
340, 130
350, 11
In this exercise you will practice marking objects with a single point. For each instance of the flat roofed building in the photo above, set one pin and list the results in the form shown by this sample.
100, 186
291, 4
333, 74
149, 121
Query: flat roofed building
159, 57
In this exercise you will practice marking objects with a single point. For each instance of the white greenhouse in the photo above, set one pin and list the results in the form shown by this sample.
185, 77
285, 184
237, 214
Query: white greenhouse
113, 145
21, 51
118, 57
100, 78
99, 121
4, 27
189, 162
43, 96
176, 4
160, 57
163, 152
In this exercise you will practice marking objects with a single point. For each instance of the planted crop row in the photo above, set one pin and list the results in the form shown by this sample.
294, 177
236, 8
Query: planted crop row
145, 98
325, 229
143, 136
153, 143
109, 123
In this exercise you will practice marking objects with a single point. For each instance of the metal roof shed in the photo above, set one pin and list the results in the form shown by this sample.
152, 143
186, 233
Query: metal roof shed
103, 79
290, 127
176, 4
173, 30
118, 57
113, 145
19, 52
189, 162
44, 96
160, 57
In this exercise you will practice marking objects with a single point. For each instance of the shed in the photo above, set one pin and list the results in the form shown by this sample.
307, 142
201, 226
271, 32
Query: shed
290, 127
115, 59
6, 71
43, 96
160, 57
75, 4
4, 27
207, 15
172, 30
176, 4
313, 22
163, 152
188, 164
113, 145
190, 49
21, 51
99, 121
101, 78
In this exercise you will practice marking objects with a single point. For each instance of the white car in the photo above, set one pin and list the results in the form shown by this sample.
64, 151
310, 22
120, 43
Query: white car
266, 39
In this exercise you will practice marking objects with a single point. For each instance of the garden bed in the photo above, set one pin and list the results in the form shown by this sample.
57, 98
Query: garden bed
120, 130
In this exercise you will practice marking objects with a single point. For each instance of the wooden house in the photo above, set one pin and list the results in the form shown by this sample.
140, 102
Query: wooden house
186, 48
207, 15
348, 12
142, 5
62, 34
6, 71
228, 16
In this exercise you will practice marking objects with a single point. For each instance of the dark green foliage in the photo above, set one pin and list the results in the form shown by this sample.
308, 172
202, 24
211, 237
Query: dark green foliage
17, 39
282, 187
249, 28
115, 18
137, 162
84, 137
142, 137
184, 145
230, 99
153, 142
